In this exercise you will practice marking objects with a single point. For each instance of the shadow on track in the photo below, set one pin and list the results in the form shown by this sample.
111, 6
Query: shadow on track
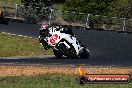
92, 61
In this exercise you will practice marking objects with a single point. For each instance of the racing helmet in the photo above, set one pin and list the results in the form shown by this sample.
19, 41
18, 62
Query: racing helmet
44, 29
44, 26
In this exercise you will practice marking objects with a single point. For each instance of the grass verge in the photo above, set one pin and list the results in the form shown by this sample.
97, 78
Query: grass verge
19, 46
52, 81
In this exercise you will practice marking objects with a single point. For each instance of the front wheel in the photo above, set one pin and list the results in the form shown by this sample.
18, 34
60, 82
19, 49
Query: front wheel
57, 53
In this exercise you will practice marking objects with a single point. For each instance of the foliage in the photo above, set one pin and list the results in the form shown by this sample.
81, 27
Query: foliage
74, 17
121, 8
58, 1
88, 6
36, 3
35, 10
99, 7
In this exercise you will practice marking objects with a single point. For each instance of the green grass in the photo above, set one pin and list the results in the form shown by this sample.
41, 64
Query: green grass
18, 46
52, 81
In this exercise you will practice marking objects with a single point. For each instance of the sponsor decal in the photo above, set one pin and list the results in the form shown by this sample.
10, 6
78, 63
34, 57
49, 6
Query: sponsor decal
101, 78
53, 38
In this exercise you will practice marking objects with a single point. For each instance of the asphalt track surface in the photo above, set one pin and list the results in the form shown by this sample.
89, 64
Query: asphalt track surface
106, 48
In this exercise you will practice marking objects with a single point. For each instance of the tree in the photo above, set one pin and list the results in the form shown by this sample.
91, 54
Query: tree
121, 8
88, 6
58, 1
35, 10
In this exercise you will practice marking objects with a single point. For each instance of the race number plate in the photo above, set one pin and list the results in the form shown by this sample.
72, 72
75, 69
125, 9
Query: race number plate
53, 38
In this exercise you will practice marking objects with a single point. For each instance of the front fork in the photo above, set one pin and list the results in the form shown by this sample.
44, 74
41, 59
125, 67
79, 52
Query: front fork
43, 43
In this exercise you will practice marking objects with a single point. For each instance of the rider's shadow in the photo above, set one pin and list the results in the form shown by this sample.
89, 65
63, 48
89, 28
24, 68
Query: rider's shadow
65, 57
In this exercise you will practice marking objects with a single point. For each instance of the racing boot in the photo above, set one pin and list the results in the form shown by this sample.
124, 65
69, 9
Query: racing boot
44, 44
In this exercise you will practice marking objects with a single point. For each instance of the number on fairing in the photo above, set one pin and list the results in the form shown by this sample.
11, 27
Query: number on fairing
53, 38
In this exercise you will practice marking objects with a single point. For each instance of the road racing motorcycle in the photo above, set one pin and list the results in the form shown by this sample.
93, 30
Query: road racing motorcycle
65, 44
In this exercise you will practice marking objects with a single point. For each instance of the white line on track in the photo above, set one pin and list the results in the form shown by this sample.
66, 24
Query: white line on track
17, 35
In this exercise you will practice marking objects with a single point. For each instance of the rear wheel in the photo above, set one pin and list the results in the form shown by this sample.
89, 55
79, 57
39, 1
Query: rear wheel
57, 54
69, 52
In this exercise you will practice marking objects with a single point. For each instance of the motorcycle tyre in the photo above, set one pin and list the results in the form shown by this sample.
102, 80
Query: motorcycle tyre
67, 51
57, 54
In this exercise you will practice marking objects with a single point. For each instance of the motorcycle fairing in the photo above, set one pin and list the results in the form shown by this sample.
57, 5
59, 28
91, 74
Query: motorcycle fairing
71, 39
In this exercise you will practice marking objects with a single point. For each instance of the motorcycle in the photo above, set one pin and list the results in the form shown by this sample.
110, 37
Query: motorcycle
65, 44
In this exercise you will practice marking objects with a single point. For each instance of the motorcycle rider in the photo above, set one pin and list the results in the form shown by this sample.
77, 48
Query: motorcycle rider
45, 31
